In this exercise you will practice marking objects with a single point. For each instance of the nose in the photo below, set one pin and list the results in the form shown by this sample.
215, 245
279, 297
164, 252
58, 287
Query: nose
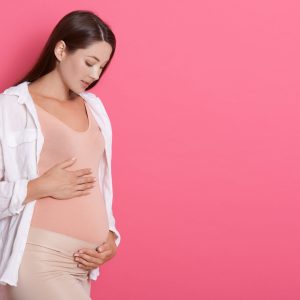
96, 74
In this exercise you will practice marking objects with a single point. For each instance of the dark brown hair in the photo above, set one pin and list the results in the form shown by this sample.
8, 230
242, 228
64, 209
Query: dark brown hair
78, 29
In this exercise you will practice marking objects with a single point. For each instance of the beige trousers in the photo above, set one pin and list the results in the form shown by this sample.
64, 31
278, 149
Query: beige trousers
48, 270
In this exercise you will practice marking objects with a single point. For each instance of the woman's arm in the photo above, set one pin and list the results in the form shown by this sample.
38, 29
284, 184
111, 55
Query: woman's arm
35, 190
14, 195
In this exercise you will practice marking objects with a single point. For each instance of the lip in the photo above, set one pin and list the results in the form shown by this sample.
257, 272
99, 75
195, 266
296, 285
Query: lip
85, 84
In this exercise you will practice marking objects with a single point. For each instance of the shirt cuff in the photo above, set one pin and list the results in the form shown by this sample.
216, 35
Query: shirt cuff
18, 196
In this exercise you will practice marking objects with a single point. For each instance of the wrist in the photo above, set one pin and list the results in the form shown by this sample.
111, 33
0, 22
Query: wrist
42, 187
36, 189
113, 234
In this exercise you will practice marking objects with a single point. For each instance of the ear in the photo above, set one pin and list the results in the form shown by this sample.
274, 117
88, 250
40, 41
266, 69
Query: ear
59, 50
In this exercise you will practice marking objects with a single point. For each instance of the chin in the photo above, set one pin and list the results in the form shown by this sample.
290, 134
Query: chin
78, 90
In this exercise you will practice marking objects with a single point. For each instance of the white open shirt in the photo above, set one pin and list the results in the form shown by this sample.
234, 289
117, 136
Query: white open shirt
21, 141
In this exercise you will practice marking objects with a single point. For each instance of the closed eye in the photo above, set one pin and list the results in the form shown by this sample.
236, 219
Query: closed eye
92, 65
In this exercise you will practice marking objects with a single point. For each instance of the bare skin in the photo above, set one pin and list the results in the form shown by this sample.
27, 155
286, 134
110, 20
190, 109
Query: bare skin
58, 93
71, 112
59, 183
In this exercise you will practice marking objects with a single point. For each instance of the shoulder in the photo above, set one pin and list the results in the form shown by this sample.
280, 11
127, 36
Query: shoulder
9, 104
10, 96
8, 99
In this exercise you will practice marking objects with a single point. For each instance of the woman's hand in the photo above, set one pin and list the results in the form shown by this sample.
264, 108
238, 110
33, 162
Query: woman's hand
63, 184
89, 259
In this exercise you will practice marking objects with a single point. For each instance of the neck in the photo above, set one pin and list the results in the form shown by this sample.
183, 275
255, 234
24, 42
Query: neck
52, 86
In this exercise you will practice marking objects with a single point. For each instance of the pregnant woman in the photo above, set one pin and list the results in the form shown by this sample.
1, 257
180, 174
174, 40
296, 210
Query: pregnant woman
56, 220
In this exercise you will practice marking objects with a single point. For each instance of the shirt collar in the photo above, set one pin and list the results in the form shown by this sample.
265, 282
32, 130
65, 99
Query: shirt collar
21, 90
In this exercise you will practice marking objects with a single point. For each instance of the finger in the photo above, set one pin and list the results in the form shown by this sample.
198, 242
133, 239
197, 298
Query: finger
88, 251
82, 180
88, 258
80, 193
86, 263
84, 267
105, 246
105, 254
82, 172
84, 186
67, 163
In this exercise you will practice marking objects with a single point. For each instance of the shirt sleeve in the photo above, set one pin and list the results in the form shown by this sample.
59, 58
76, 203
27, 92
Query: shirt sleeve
12, 193
108, 179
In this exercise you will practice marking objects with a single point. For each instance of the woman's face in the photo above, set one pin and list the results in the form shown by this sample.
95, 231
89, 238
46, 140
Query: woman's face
84, 65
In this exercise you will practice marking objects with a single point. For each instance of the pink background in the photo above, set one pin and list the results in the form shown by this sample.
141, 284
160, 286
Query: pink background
203, 98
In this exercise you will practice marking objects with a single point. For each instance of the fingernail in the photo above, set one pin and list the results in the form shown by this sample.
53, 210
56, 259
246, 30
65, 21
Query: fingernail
76, 254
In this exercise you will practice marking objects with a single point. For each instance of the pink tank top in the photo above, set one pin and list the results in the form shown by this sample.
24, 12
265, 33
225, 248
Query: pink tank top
82, 217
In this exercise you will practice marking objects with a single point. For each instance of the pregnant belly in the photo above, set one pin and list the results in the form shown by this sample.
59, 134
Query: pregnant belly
81, 217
